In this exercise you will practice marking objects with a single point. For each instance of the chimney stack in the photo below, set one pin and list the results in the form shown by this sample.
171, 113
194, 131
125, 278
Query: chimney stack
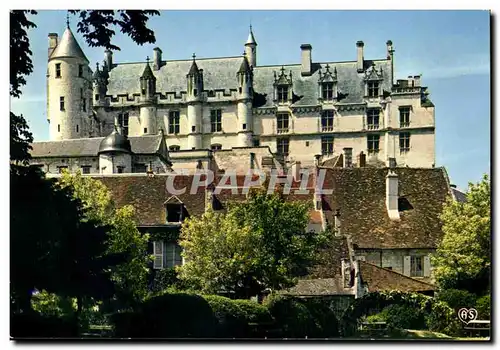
392, 195
306, 61
347, 157
52, 42
108, 58
337, 223
156, 58
317, 157
360, 57
296, 171
390, 50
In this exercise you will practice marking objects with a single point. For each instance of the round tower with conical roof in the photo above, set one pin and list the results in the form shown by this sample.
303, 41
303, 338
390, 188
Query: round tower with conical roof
147, 103
251, 49
245, 118
69, 88
194, 102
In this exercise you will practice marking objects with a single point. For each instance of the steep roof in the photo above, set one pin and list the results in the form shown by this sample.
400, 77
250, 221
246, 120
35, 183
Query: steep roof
379, 279
245, 67
319, 287
221, 73
459, 195
68, 47
359, 193
147, 144
148, 73
251, 38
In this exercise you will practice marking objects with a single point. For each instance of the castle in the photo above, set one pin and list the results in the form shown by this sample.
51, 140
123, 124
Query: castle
229, 113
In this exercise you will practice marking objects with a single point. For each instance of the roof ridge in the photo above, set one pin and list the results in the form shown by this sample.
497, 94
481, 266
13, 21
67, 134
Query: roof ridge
397, 273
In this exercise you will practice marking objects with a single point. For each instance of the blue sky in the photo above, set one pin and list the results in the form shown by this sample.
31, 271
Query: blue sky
451, 49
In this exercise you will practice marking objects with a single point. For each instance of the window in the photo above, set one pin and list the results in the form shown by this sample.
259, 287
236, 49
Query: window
58, 127
256, 142
216, 147
216, 120
97, 97
172, 255
244, 126
283, 145
80, 70
174, 148
145, 130
174, 212
404, 117
140, 168
373, 89
327, 145
77, 129
307, 143
120, 169
373, 143
372, 119
327, 120
416, 266
282, 119
58, 70
404, 142
173, 122
282, 94
327, 92
123, 123
62, 168
84, 104
158, 255
86, 169
61, 103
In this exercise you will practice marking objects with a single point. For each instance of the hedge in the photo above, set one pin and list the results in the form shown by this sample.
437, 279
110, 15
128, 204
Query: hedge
456, 298
483, 307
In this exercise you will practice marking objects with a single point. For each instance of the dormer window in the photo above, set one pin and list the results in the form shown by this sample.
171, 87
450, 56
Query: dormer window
174, 208
282, 94
328, 84
373, 89
327, 92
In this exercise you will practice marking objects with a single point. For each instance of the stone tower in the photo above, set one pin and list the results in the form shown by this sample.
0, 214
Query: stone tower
194, 102
148, 102
245, 118
69, 88
251, 49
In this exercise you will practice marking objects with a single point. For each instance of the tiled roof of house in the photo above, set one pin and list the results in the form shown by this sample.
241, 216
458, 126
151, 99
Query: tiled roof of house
379, 279
329, 264
459, 195
147, 144
318, 286
221, 73
359, 193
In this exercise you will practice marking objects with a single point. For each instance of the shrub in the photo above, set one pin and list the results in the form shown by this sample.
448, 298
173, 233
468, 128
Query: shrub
324, 316
291, 317
405, 317
167, 316
483, 307
456, 298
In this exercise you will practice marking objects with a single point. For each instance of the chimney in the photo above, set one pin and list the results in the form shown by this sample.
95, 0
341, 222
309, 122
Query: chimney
52, 42
391, 195
156, 58
108, 58
347, 157
337, 223
390, 50
306, 61
296, 171
416, 79
361, 159
317, 157
360, 56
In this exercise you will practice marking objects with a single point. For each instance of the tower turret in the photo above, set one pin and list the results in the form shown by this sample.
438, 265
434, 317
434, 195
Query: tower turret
194, 101
147, 102
100, 86
69, 88
251, 49
245, 117
115, 153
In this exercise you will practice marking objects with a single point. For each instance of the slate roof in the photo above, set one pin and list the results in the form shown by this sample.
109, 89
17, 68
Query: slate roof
148, 144
221, 73
459, 195
379, 279
329, 264
68, 47
359, 193
318, 287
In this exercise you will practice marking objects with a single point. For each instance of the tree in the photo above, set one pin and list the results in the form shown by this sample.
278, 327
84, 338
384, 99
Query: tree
463, 258
259, 244
122, 237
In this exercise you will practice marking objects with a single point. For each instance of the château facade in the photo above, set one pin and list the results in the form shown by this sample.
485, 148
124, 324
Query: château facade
206, 109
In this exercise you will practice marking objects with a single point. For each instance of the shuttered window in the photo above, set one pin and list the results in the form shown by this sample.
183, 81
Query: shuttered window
158, 255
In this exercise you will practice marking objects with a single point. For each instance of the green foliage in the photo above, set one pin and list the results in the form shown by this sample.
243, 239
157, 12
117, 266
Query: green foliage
50, 304
405, 317
167, 316
456, 298
123, 236
166, 279
439, 316
483, 307
256, 245
463, 258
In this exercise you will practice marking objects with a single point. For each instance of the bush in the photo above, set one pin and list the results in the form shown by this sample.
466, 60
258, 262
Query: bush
292, 317
235, 317
405, 317
483, 307
457, 299
166, 279
324, 316
34, 325
168, 316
